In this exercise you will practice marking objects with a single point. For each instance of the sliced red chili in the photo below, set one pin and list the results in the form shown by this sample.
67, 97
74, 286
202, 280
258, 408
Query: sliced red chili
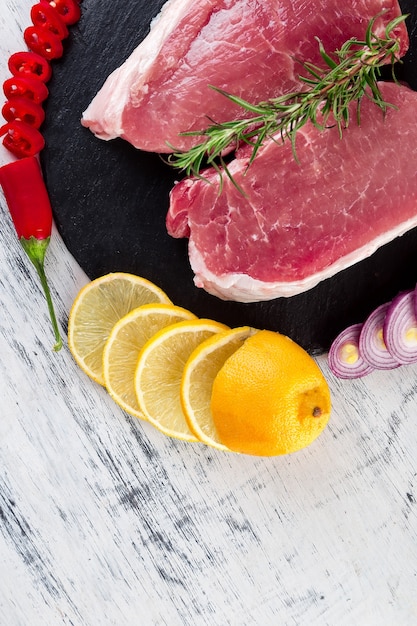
21, 139
44, 16
68, 10
43, 42
24, 110
25, 87
30, 64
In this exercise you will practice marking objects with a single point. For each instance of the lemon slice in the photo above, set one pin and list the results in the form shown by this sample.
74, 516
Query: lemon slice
159, 372
197, 381
126, 340
97, 308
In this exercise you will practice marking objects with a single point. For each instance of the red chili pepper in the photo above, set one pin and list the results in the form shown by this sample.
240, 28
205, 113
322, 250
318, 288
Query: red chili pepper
24, 110
27, 198
44, 16
30, 65
25, 87
68, 10
21, 139
30, 208
43, 42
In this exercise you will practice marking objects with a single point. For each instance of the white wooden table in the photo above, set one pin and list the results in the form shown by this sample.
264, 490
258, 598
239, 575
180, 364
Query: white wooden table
104, 521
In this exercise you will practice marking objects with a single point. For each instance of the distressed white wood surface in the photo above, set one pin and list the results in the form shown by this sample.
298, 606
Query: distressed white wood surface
104, 521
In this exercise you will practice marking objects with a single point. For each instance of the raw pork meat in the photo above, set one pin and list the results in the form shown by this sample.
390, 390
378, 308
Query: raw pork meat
246, 47
302, 223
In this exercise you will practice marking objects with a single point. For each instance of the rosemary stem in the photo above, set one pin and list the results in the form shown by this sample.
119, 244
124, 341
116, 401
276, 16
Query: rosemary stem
346, 78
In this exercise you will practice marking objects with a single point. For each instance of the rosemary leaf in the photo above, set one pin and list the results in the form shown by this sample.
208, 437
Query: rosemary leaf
352, 74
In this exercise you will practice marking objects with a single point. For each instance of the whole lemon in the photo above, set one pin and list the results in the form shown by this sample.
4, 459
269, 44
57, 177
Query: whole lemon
270, 397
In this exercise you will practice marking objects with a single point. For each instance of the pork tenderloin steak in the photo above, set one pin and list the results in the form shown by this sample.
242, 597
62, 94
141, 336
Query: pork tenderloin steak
248, 48
301, 223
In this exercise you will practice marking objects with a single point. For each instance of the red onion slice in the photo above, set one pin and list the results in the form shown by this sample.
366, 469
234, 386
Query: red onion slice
345, 359
400, 328
371, 341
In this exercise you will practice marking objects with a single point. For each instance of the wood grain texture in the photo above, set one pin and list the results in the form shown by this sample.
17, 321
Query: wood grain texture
104, 521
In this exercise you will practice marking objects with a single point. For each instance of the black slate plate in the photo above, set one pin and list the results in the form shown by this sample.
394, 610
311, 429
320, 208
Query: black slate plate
110, 200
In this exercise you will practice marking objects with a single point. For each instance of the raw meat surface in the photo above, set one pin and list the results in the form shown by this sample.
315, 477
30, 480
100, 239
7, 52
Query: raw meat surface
247, 47
302, 223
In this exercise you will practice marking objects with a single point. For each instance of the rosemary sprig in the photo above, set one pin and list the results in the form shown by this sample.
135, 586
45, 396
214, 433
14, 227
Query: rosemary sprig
352, 74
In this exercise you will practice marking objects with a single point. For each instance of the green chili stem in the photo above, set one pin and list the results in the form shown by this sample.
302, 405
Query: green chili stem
36, 250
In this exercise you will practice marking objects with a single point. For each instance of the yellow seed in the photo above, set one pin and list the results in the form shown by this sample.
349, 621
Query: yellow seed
349, 353
411, 335
380, 338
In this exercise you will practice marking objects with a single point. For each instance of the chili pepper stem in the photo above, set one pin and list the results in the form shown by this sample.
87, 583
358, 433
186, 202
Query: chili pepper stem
36, 250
